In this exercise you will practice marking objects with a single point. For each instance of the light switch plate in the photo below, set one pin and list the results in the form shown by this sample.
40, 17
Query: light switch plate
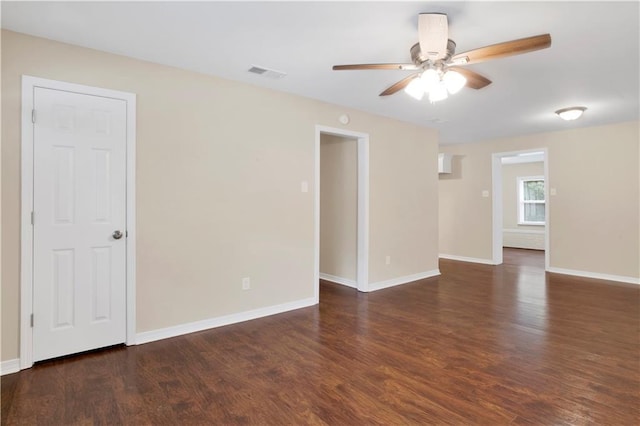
552, 191
485, 193
304, 186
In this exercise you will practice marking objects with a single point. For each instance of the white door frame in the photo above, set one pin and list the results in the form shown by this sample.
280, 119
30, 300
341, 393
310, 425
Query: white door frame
362, 277
497, 224
29, 84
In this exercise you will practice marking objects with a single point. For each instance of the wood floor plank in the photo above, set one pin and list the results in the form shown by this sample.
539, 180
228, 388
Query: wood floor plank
480, 344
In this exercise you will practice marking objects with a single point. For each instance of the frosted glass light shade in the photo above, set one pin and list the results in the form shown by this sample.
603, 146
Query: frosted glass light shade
438, 92
415, 89
430, 79
454, 81
571, 113
436, 83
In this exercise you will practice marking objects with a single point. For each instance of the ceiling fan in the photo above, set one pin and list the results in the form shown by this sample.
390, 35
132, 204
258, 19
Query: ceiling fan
439, 67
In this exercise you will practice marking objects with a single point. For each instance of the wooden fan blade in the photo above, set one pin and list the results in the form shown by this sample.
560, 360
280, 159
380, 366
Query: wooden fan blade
376, 67
501, 50
433, 35
474, 80
399, 85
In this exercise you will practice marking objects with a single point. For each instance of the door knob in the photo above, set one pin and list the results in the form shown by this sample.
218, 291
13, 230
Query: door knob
117, 235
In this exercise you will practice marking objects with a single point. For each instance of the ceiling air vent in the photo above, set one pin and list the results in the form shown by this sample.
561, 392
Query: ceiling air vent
265, 72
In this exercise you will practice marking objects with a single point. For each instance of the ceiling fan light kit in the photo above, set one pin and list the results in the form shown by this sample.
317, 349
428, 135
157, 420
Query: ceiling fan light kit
571, 113
437, 84
438, 93
415, 89
438, 67
454, 81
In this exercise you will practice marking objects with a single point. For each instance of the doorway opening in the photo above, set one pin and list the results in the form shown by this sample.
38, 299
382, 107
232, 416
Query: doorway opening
341, 212
520, 202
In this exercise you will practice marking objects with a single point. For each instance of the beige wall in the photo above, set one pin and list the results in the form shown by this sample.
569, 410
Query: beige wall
219, 167
338, 206
406, 171
594, 218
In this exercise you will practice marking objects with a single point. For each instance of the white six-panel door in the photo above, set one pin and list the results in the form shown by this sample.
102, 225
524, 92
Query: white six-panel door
79, 203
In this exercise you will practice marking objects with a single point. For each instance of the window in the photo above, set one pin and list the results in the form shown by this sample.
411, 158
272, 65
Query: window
531, 201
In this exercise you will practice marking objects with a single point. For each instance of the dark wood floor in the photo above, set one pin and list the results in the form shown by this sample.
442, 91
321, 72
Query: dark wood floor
477, 345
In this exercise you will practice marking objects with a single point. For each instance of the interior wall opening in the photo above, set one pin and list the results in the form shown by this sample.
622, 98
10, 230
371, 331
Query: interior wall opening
523, 201
339, 209
520, 203
349, 166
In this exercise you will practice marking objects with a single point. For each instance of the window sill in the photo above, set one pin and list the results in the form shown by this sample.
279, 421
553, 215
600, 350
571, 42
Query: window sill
532, 223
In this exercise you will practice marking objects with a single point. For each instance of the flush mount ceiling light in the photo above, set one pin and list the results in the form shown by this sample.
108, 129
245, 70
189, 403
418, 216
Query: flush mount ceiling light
571, 113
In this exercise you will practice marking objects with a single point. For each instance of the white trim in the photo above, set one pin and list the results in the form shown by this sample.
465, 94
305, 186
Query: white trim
497, 220
403, 280
466, 259
9, 366
192, 327
496, 208
26, 231
363, 214
522, 231
363, 206
339, 280
316, 217
29, 83
595, 275
527, 158
547, 210
131, 217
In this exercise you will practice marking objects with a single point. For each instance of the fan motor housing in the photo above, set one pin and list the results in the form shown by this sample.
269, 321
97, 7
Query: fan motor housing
418, 58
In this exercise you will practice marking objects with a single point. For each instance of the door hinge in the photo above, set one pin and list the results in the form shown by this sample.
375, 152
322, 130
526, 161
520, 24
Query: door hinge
32, 218
126, 234
31, 320
33, 116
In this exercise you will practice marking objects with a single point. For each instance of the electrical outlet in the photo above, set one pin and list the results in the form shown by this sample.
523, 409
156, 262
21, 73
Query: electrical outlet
246, 283
387, 260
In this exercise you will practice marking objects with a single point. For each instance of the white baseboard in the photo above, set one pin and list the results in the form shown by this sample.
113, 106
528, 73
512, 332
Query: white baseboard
9, 367
192, 327
339, 280
586, 274
466, 259
403, 280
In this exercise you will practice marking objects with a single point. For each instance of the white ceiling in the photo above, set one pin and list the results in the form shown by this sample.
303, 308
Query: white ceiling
593, 60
